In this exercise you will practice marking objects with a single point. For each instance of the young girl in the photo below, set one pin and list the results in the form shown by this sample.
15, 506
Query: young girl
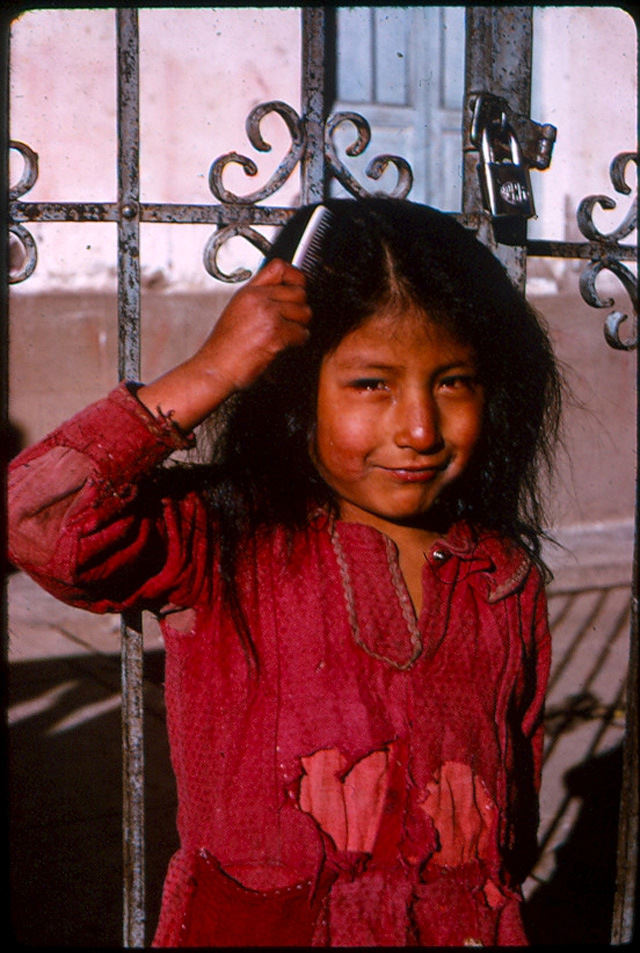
351, 592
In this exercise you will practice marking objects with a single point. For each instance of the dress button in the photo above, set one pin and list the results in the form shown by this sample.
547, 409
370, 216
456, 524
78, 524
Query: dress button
440, 555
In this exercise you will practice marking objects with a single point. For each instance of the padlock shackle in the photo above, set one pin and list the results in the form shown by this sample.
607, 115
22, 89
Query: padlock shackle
486, 148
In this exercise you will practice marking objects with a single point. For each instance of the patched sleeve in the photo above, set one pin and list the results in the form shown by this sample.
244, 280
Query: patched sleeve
540, 662
87, 521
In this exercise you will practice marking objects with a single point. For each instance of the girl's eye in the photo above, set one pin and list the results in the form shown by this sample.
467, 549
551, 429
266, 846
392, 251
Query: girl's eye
459, 382
368, 383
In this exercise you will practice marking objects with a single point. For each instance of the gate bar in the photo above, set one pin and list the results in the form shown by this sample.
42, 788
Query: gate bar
312, 109
132, 649
625, 900
498, 46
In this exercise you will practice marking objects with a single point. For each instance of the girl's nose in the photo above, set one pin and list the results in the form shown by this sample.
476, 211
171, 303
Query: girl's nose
418, 424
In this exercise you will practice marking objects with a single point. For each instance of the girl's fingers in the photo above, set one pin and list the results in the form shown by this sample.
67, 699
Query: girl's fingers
285, 294
278, 272
295, 314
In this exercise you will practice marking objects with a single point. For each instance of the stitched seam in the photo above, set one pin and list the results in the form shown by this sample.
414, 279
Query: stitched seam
511, 583
347, 588
404, 600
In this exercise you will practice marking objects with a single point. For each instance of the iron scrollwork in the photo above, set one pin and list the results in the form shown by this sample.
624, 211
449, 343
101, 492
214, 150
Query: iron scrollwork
219, 238
23, 237
284, 170
376, 167
296, 127
225, 197
608, 258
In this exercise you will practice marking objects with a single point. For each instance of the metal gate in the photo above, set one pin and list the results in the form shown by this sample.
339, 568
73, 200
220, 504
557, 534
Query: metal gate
497, 77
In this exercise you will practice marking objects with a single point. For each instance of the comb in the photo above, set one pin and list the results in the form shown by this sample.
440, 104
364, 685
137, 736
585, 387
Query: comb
307, 252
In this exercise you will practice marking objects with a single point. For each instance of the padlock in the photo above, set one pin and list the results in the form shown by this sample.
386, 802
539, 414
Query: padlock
506, 187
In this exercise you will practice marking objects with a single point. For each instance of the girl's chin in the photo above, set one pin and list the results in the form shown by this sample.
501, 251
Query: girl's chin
430, 518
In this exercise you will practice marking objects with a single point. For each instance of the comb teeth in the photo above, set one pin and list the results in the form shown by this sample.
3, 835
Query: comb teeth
306, 254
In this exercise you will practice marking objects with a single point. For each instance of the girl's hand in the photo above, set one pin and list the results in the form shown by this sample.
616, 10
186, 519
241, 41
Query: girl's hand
267, 315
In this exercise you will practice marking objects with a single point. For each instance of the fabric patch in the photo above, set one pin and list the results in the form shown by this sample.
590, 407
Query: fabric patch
346, 805
462, 812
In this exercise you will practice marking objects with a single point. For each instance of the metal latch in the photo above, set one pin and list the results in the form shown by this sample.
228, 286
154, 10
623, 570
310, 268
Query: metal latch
509, 145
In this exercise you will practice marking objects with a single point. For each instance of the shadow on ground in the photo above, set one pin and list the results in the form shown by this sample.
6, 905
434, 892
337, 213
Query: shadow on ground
65, 786
65, 815
576, 905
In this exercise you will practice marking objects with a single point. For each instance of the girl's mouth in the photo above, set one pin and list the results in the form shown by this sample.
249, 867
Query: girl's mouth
414, 474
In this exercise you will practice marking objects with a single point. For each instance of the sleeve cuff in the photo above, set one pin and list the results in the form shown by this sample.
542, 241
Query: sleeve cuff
121, 436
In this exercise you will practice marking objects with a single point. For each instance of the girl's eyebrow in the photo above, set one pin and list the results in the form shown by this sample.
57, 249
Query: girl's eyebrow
469, 364
365, 364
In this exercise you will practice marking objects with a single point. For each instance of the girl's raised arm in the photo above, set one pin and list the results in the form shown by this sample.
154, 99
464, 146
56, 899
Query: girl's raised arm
267, 315
85, 521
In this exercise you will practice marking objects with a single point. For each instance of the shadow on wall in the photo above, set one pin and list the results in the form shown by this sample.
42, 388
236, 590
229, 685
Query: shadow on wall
13, 440
65, 815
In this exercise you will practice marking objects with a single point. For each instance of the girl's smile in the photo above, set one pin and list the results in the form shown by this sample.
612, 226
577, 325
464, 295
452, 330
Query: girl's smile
399, 414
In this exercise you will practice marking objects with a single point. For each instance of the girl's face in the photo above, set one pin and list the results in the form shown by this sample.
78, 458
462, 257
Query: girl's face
399, 413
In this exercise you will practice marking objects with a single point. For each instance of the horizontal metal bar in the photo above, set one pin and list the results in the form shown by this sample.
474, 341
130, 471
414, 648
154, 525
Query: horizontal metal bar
258, 215
64, 211
541, 248
215, 214
148, 212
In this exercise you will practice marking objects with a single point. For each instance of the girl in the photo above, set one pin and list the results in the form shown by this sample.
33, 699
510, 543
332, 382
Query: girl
351, 593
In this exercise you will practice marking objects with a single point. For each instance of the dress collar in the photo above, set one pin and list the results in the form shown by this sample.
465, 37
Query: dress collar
503, 564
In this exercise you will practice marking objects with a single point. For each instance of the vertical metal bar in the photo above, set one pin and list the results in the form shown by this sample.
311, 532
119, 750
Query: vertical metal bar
129, 368
8, 442
312, 172
625, 898
498, 61
128, 195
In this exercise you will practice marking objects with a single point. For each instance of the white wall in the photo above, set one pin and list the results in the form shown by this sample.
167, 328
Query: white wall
585, 83
202, 71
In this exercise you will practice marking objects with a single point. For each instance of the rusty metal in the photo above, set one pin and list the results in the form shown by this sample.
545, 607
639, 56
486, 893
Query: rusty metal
314, 109
296, 129
376, 167
608, 257
536, 139
604, 252
625, 899
132, 648
497, 59
20, 233
312, 150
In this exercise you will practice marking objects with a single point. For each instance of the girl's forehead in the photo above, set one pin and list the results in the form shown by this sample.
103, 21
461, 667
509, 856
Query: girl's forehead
402, 326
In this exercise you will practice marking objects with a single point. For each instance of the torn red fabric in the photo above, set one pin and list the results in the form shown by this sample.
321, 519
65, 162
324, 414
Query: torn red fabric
377, 783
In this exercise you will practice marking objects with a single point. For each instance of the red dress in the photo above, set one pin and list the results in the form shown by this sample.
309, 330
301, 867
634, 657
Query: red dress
376, 782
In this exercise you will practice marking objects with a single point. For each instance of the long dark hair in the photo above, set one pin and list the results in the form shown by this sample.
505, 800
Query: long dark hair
377, 251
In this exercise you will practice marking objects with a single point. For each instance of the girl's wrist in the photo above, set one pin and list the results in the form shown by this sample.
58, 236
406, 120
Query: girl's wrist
188, 393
